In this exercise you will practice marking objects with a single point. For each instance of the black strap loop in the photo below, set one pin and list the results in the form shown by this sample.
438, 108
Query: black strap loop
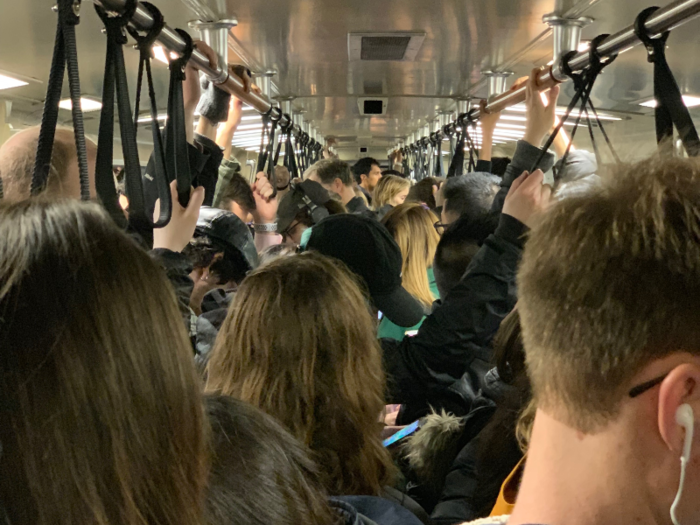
65, 56
115, 77
177, 161
139, 218
670, 109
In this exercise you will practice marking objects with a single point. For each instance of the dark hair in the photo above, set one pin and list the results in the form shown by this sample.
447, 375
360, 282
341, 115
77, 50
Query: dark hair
497, 447
393, 172
471, 194
260, 474
304, 217
239, 191
101, 418
422, 191
363, 167
227, 263
499, 165
458, 246
332, 169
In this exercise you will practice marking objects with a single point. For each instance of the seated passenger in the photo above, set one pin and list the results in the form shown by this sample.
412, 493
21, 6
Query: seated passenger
470, 195
457, 247
367, 175
261, 474
299, 344
391, 191
18, 155
413, 229
101, 419
609, 290
306, 204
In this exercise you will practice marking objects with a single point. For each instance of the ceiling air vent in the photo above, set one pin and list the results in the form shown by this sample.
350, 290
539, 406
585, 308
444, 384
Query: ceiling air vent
400, 47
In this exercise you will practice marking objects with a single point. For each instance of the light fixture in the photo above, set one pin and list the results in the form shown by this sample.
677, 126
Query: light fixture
86, 104
688, 100
513, 118
583, 46
8, 82
249, 126
159, 54
520, 108
148, 118
252, 117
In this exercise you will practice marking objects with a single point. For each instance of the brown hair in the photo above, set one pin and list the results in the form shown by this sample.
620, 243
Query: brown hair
609, 282
300, 344
388, 187
101, 419
260, 473
413, 228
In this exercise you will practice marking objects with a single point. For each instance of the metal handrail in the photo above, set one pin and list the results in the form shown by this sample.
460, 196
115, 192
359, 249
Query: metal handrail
171, 41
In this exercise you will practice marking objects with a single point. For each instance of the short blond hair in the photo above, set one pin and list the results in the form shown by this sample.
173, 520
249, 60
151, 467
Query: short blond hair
387, 188
609, 282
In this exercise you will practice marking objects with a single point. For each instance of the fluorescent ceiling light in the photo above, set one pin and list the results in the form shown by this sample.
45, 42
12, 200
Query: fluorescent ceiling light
249, 126
688, 100
86, 104
520, 108
148, 118
252, 117
514, 118
7, 82
159, 54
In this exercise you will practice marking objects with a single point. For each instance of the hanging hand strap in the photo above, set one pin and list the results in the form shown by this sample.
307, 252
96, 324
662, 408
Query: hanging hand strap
138, 218
115, 76
456, 168
267, 152
290, 161
65, 53
177, 160
670, 109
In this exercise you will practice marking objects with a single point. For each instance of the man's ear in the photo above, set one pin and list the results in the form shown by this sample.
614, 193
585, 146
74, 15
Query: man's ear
681, 386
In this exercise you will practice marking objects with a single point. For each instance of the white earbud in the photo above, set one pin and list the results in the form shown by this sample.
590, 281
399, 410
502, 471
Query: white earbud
685, 418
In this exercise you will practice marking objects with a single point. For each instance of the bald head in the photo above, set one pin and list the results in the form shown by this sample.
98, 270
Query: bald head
17, 158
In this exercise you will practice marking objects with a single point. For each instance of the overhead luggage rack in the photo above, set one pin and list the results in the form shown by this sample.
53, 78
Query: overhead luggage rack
172, 42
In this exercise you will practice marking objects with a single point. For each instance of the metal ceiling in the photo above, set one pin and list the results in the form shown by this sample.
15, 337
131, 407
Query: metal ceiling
306, 42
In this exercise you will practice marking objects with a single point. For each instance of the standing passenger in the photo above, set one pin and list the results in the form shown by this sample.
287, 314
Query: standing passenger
367, 175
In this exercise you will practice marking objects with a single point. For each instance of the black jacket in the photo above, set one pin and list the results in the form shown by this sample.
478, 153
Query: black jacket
443, 366
452, 351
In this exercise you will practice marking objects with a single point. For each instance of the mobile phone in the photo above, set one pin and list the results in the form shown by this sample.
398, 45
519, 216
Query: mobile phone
401, 434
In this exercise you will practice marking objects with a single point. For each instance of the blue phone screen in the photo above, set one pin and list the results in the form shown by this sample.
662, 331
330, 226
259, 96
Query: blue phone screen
410, 429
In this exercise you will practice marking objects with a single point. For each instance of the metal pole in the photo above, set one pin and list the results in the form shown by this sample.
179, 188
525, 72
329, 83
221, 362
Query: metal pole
665, 19
172, 42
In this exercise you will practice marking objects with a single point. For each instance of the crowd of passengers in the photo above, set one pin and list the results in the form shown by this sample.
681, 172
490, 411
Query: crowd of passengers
246, 367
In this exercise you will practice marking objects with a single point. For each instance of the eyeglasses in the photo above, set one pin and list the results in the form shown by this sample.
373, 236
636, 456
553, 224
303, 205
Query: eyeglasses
645, 387
440, 227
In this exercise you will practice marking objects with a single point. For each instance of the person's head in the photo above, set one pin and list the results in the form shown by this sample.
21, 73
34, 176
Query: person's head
458, 246
101, 418
289, 349
222, 253
306, 204
422, 191
610, 300
237, 197
391, 190
371, 253
333, 174
471, 195
17, 157
395, 173
283, 177
367, 173
413, 228
259, 472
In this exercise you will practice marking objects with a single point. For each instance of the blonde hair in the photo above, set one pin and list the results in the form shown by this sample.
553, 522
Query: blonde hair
387, 188
299, 343
413, 228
